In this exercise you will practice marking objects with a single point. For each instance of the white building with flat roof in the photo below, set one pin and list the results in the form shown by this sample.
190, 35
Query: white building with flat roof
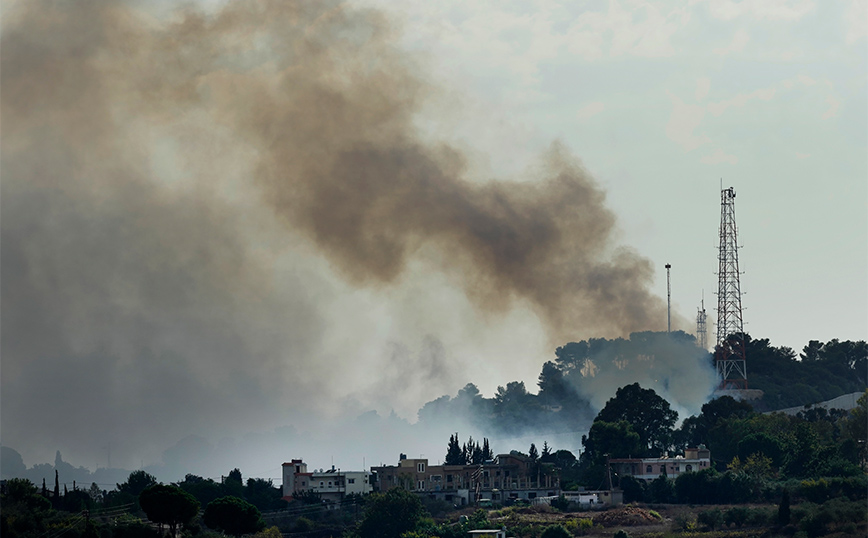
330, 484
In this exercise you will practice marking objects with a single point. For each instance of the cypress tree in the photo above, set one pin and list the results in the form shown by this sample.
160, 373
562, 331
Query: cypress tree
784, 509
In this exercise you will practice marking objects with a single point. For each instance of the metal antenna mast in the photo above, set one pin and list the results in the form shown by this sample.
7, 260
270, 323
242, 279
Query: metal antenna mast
701, 325
729, 352
668, 301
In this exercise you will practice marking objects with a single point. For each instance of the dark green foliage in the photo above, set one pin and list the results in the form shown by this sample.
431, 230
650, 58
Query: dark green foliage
617, 439
303, 524
204, 490
561, 503
168, 505
622, 534
823, 489
825, 371
736, 516
76, 501
233, 484
661, 490
263, 494
390, 514
761, 443
784, 509
454, 454
233, 515
556, 531
634, 489
713, 518
647, 413
695, 487
137, 482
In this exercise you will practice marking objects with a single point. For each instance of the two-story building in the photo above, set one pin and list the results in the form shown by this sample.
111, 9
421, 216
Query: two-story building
647, 469
509, 476
330, 484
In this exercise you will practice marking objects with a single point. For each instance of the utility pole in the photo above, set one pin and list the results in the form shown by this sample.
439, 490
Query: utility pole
668, 301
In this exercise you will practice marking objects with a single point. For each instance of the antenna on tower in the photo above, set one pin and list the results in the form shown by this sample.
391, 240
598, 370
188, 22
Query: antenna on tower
701, 325
668, 301
729, 352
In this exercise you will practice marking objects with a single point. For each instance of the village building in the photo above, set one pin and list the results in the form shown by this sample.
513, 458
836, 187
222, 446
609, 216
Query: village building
507, 477
647, 469
331, 485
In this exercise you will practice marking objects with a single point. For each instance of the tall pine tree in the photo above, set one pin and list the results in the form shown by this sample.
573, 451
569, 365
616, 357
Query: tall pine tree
454, 453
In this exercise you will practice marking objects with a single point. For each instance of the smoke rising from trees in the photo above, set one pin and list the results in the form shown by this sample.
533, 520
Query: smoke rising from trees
207, 215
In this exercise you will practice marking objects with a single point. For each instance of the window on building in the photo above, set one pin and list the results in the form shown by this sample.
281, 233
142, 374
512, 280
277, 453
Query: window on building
351, 480
420, 467
436, 478
449, 478
531, 495
321, 484
662, 469
688, 468
421, 485
330, 483
303, 484
648, 470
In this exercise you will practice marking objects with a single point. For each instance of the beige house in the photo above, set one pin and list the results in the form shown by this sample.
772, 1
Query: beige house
647, 469
507, 477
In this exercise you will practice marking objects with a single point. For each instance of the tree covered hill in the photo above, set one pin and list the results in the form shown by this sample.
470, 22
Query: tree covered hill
822, 371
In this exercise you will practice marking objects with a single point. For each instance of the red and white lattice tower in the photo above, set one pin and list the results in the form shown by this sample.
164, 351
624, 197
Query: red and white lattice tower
729, 353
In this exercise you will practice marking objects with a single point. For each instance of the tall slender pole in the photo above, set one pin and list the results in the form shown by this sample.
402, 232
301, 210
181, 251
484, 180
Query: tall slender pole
668, 301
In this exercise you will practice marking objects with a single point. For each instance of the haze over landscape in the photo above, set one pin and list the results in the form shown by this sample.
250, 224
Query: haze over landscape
237, 233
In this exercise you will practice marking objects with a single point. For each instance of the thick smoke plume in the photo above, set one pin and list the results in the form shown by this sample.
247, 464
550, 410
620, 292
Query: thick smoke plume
177, 189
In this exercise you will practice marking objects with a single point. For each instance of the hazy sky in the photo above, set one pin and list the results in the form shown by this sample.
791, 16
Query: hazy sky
662, 101
262, 216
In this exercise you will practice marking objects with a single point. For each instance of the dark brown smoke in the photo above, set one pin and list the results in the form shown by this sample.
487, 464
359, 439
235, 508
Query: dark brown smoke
154, 166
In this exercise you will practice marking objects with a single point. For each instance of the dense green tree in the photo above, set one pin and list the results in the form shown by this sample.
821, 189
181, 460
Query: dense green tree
617, 439
233, 484
263, 494
168, 505
649, 415
784, 508
76, 501
487, 453
454, 454
204, 490
661, 490
761, 443
233, 515
634, 489
137, 482
391, 514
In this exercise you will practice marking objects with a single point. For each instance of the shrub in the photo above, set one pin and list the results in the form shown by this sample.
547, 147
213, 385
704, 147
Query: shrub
713, 518
556, 531
622, 534
303, 524
683, 521
758, 517
736, 516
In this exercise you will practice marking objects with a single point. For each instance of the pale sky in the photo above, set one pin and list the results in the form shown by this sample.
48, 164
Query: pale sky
664, 100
